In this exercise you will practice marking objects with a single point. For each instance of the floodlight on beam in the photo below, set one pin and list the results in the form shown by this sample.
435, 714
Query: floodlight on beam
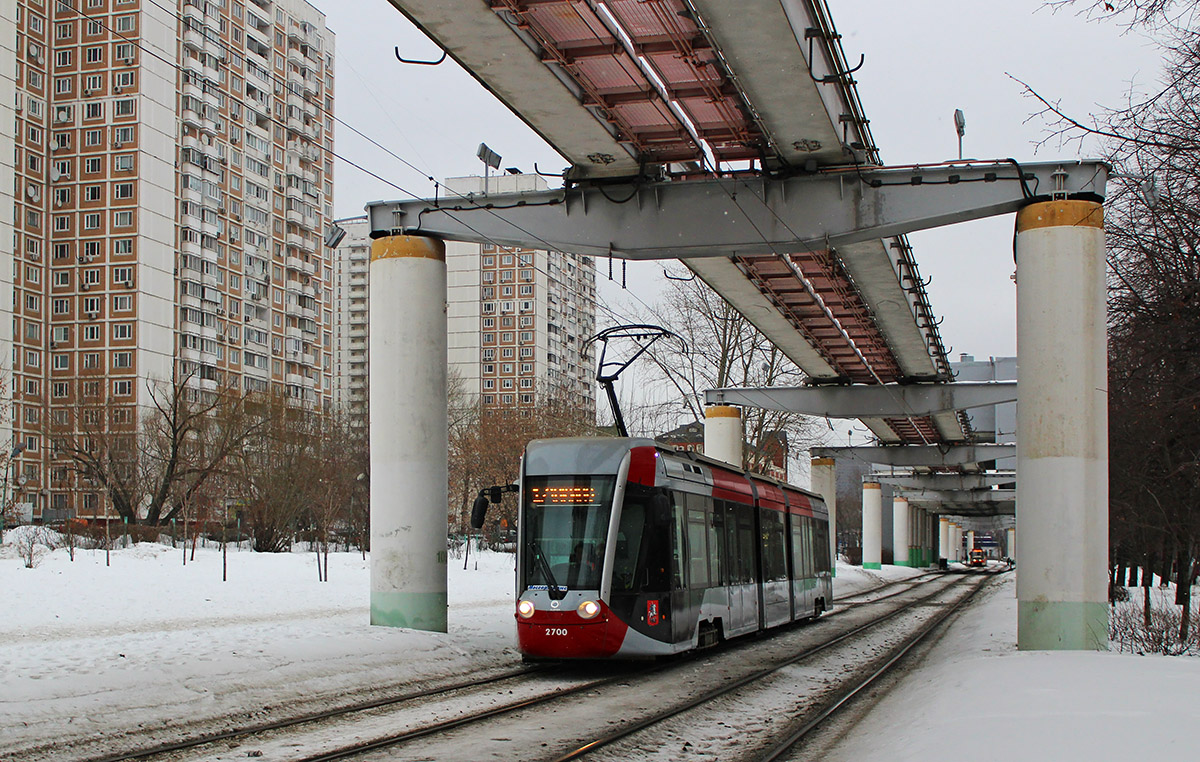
490, 159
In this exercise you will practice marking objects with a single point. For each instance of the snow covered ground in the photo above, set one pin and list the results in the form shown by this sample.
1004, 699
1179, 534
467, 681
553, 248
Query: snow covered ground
89, 651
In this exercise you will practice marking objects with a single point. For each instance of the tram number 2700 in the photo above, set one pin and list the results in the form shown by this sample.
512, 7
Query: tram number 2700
556, 631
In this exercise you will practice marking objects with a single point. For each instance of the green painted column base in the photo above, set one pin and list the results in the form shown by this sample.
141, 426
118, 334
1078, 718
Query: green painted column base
417, 611
1062, 626
872, 566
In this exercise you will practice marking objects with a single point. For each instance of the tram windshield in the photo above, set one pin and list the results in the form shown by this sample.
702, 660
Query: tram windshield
564, 530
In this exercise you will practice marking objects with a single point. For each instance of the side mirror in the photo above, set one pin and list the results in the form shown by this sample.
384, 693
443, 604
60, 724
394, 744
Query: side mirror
478, 511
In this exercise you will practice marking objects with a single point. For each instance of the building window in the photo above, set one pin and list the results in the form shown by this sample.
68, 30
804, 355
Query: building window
91, 221
61, 389
122, 360
122, 387
61, 306
123, 163
122, 219
122, 331
62, 361
123, 190
91, 166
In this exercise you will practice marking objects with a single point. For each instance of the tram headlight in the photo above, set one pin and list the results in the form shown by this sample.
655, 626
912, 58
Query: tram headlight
525, 609
588, 609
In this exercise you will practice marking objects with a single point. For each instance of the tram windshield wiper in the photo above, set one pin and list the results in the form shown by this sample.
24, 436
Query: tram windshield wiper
556, 593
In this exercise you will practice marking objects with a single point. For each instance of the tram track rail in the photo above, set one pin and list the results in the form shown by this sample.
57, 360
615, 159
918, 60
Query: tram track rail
236, 737
783, 748
724, 690
208, 739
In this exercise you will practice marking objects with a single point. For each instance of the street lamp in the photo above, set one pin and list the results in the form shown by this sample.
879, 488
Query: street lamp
20, 448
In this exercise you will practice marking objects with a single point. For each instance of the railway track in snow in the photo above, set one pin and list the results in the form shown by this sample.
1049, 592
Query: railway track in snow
557, 712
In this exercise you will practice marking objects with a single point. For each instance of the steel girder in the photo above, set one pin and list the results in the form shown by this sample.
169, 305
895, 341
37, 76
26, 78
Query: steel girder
933, 456
890, 400
947, 482
741, 216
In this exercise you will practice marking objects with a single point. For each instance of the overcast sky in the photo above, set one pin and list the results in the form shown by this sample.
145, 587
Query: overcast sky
924, 59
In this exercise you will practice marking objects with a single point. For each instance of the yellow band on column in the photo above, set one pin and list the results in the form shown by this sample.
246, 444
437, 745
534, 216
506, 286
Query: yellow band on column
823, 461
400, 246
870, 485
1060, 214
722, 411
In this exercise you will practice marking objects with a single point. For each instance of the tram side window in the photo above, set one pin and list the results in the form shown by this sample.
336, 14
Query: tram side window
774, 545
799, 562
677, 548
629, 546
716, 544
821, 551
746, 556
697, 534
809, 562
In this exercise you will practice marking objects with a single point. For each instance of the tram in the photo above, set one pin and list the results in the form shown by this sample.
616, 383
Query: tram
628, 549
977, 557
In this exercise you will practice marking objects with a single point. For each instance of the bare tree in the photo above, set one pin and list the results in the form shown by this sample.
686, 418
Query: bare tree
150, 469
486, 448
99, 438
722, 349
272, 473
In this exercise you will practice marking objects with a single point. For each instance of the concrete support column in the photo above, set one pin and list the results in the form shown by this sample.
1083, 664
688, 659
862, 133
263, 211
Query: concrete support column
944, 538
1010, 545
723, 433
955, 541
408, 432
970, 540
872, 529
824, 483
1062, 427
900, 530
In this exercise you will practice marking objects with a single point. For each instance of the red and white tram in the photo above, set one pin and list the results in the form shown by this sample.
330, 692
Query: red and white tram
628, 549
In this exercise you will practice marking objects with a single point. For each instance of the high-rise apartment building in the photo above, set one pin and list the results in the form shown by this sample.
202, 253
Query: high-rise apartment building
171, 176
517, 321
351, 263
